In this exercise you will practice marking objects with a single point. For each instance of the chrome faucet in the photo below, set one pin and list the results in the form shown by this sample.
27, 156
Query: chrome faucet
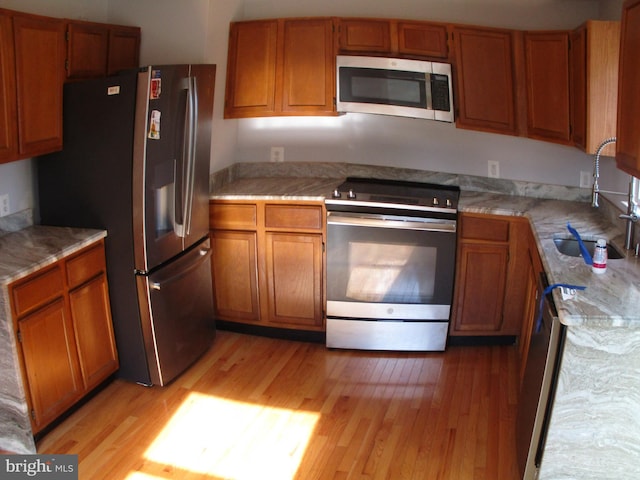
595, 191
632, 211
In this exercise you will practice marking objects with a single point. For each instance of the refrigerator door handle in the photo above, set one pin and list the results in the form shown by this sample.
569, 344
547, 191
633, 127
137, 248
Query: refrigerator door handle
184, 195
203, 253
191, 138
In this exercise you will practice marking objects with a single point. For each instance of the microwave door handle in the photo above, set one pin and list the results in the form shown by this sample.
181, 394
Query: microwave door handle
427, 89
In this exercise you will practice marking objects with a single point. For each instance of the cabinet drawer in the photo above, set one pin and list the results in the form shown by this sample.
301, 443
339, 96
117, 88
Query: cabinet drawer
293, 216
37, 290
233, 216
485, 228
85, 265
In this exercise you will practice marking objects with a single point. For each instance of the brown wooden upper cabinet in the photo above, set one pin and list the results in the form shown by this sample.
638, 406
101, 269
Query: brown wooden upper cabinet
124, 48
8, 105
594, 51
39, 59
32, 56
97, 49
628, 143
406, 38
361, 35
280, 67
423, 39
547, 74
486, 88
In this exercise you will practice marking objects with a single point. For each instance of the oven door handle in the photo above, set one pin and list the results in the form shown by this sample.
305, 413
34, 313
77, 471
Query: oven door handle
426, 225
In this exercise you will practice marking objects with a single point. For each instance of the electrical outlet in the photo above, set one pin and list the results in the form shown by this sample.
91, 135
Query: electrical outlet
4, 205
585, 179
277, 154
494, 169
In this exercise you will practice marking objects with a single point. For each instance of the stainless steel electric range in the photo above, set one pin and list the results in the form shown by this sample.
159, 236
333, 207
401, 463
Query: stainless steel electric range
391, 249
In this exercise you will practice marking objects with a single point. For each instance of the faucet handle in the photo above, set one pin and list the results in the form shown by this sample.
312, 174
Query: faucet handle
629, 216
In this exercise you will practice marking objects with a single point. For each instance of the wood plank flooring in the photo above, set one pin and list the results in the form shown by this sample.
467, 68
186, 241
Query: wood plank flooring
258, 408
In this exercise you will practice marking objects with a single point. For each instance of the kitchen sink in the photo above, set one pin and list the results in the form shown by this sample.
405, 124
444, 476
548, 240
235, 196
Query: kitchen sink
569, 246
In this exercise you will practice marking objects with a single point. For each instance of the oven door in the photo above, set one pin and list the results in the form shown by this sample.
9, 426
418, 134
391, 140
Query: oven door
388, 277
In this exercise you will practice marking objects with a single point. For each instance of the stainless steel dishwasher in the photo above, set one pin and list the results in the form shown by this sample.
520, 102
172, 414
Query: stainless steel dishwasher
538, 385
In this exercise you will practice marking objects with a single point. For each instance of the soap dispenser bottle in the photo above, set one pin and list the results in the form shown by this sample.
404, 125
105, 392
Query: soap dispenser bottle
599, 264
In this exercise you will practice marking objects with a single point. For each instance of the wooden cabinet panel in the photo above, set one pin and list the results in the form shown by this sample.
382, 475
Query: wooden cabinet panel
268, 269
93, 328
50, 361
485, 228
280, 67
294, 217
491, 284
40, 57
309, 66
251, 69
124, 48
486, 90
532, 273
233, 216
601, 72
481, 280
100, 49
234, 267
547, 67
423, 39
294, 266
37, 290
66, 343
578, 86
364, 35
87, 46
85, 266
8, 112
628, 128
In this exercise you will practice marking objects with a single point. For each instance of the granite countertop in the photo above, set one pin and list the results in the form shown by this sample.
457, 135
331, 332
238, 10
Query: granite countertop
27, 250
610, 299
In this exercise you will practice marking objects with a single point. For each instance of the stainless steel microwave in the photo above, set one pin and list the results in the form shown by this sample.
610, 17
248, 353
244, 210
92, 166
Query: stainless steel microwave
394, 86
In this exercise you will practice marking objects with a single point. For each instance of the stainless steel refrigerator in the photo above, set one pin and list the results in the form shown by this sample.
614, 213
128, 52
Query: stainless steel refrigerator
136, 163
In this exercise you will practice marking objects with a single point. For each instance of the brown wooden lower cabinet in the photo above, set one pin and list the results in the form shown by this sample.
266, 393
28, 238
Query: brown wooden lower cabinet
62, 320
490, 286
268, 263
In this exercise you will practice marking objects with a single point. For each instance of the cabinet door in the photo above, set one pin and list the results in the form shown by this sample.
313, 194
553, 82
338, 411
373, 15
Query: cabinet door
50, 360
578, 87
486, 87
547, 74
424, 39
40, 57
364, 35
124, 48
251, 69
92, 324
480, 284
86, 50
294, 279
628, 137
234, 270
309, 67
8, 115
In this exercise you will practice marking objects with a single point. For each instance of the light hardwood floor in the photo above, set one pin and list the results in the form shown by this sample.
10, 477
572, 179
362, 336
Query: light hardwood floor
257, 408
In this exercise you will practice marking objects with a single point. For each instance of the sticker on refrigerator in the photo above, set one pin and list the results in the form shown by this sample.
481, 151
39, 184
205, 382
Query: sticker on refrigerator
156, 85
154, 125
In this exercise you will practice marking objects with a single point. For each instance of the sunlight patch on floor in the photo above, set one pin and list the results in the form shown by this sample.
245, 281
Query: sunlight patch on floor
233, 440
